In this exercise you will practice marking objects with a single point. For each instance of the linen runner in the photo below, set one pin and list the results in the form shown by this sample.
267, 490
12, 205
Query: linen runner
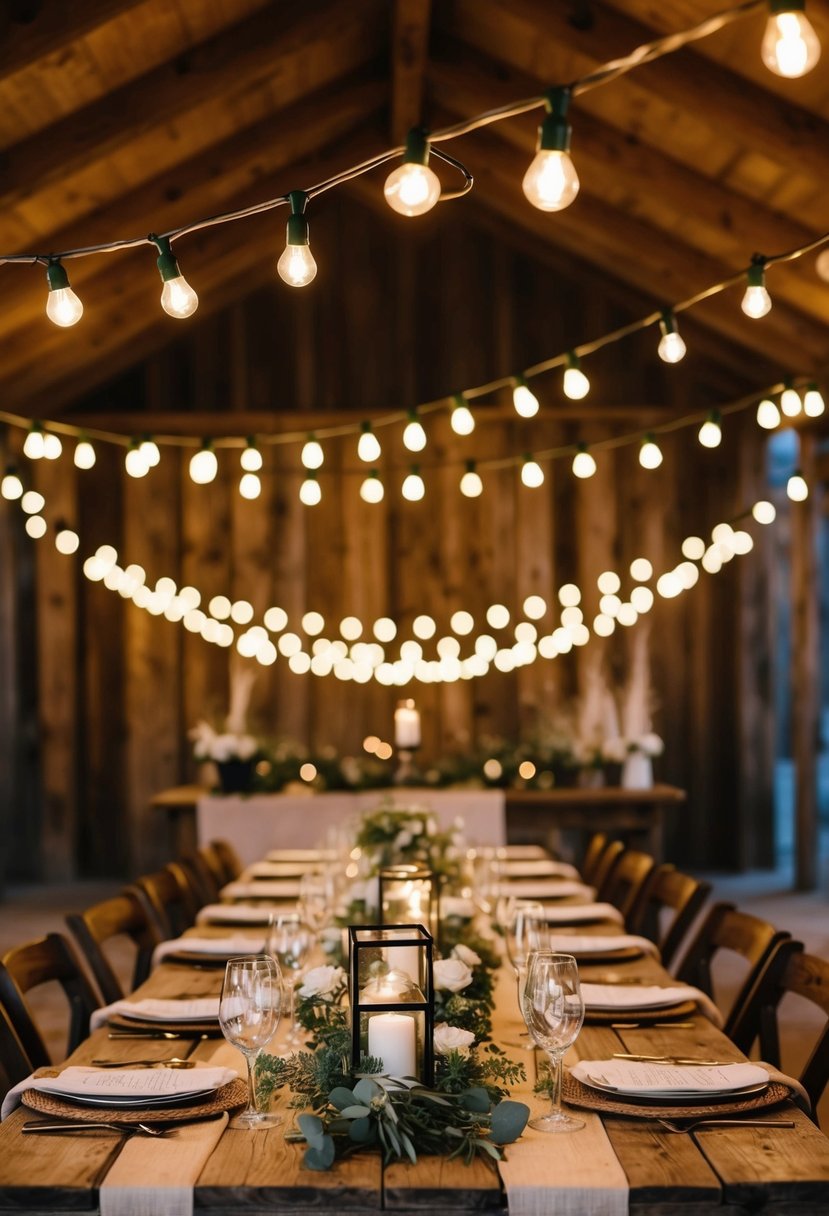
173, 1165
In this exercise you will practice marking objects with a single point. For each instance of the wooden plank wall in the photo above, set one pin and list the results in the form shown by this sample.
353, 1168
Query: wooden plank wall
397, 316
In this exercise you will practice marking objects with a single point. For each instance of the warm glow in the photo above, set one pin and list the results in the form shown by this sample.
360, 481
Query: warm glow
790, 46
412, 189
63, 307
275, 619
462, 420
309, 492
569, 595
609, 582
251, 458
368, 445
524, 400
461, 623
296, 266
413, 488
535, 607
650, 454
671, 347
312, 454
768, 415
576, 384
756, 302
551, 182
178, 299
497, 616
203, 466
67, 541
52, 446
414, 436
471, 484
641, 569
250, 486
796, 487
583, 464
813, 404
11, 486
371, 488
790, 402
423, 627
532, 474
136, 463
710, 433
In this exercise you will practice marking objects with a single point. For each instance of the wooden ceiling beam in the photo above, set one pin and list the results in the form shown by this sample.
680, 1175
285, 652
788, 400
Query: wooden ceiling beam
289, 51
410, 45
55, 24
530, 35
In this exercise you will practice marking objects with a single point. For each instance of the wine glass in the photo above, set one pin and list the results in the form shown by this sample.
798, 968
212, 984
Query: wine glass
316, 899
553, 1009
289, 941
249, 1011
525, 930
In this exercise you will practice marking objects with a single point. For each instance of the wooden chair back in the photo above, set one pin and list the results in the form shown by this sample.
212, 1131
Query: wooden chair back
627, 879
229, 860
168, 898
202, 879
596, 845
603, 873
726, 928
14, 1063
27, 967
668, 887
123, 915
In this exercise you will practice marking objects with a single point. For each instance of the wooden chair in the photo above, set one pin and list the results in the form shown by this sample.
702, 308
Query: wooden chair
27, 967
603, 872
668, 888
14, 1063
627, 880
123, 915
725, 928
229, 859
202, 879
169, 898
595, 848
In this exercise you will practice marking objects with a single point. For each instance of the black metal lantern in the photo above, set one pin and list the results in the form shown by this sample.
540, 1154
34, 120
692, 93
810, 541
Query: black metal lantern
392, 998
408, 894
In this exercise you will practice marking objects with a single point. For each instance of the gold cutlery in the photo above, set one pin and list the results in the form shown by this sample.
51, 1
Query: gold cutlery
625, 1055
175, 1062
122, 1129
653, 1025
154, 1034
701, 1124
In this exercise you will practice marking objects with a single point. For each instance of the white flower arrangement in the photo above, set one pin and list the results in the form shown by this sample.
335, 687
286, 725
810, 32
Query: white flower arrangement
451, 1038
451, 974
466, 955
325, 982
208, 744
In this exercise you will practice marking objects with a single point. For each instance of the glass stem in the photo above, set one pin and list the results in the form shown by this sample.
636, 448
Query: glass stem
252, 1108
292, 1030
555, 1083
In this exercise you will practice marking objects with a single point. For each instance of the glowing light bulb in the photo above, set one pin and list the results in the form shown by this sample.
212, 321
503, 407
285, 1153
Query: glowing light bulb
790, 46
576, 384
796, 487
32, 502
33, 446
764, 512
36, 526
671, 346
650, 453
63, 307
250, 486
471, 484
413, 487
372, 489
813, 404
414, 436
583, 463
67, 541
822, 265
768, 415
251, 458
524, 399
551, 182
790, 402
756, 302
178, 299
413, 188
461, 418
532, 473
52, 446
312, 454
309, 492
368, 445
296, 266
150, 452
203, 465
710, 433
135, 462
11, 487
641, 569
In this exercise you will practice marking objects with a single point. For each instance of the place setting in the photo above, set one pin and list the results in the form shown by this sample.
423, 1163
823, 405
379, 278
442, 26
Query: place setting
154, 1016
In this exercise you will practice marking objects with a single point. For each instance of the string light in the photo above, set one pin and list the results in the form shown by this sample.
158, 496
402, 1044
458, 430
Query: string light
250, 486
576, 384
11, 487
551, 182
413, 188
768, 415
371, 489
796, 487
33, 445
296, 266
150, 452
813, 404
52, 446
312, 453
63, 307
413, 488
203, 465
764, 512
583, 463
671, 346
251, 458
790, 46
532, 474
650, 453
461, 419
710, 433
414, 436
36, 526
756, 302
178, 299
368, 445
790, 402
310, 492
84, 455
66, 541
471, 484
135, 462
524, 399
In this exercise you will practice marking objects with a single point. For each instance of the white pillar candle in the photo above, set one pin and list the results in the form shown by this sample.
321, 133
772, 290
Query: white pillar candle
391, 1038
405, 959
406, 726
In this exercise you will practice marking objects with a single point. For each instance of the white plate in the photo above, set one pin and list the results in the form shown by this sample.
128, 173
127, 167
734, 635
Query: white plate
682, 1097
133, 1102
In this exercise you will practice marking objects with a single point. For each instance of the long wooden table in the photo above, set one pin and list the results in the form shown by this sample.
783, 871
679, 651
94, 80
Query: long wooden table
738, 1170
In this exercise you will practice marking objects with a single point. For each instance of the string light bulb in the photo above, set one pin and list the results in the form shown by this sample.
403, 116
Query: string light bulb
251, 457
471, 484
203, 465
11, 487
790, 402
413, 188
310, 492
52, 446
368, 445
149, 449
135, 461
296, 266
413, 487
461, 419
178, 299
524, 399
372, 489
583, 463
250, 486
768, 415
576, 384
66, 541
63, 306
710, 433
671, 346
650, 453
312, 453
796, 487
414, 436
551, 183
790, 46
532, 474
756, 302
33, 445
813, 404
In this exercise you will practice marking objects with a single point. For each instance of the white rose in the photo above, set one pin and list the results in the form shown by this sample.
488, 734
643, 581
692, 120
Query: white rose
246, 747
651, 744
322, 981
614, 750
451, 974
452, 1038
466, 955
223, 748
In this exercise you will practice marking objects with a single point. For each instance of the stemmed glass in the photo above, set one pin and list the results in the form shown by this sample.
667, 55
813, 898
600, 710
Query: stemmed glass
289, 941
316, 899
525, 930
553, 1009
249, 1012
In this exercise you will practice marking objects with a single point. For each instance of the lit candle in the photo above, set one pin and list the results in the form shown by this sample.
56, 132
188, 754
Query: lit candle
405, 959
391, 1038
406, 725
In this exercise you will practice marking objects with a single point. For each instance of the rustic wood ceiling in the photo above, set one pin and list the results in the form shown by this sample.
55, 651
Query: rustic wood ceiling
118, 116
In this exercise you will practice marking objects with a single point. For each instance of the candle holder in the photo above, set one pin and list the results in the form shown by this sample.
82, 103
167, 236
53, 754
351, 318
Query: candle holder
407, 772
407, 741
392, 999
408, 894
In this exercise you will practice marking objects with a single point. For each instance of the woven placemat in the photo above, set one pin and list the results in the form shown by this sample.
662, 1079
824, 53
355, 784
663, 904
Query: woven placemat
225, 1098
576, 1094
666, 1013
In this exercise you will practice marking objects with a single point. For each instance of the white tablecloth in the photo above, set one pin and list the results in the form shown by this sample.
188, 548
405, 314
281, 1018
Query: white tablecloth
256, 823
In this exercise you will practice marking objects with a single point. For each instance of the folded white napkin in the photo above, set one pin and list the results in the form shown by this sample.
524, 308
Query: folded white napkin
151, 1083
262, 888
548, 888
574, 914
583, 943
538, 868
233, 914
278, 869
198, 1009
607, 997
634, 1077
311, 855
227, 947
521, 852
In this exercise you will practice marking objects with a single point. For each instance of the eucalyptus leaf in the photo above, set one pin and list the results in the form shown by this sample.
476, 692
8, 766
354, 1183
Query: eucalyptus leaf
476, 1099
341, 1097
361, 1131
365, 1090
312, 1129
321, 1157
355, 1112
508, 1121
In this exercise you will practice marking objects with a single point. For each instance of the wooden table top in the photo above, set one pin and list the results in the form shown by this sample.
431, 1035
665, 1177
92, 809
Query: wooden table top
737, 1170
